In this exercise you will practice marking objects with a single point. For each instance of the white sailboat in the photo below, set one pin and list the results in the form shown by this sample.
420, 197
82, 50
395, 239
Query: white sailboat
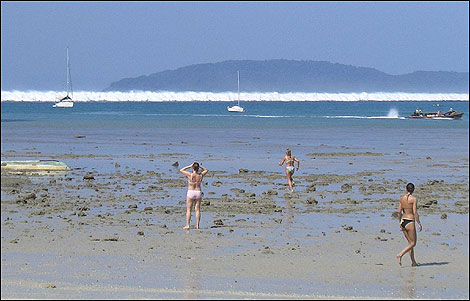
237, 108
67, 101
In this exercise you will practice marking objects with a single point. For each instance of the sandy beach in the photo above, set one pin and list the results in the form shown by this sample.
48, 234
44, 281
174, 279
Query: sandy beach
107, 106
118, 233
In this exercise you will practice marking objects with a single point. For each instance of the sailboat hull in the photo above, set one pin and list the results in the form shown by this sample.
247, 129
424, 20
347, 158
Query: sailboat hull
236, 109
63, 104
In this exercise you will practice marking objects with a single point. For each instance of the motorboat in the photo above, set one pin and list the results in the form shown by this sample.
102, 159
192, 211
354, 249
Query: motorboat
451, 114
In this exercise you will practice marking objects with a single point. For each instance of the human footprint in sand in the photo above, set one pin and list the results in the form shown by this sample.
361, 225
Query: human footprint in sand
407, 216
194, 194
289, 159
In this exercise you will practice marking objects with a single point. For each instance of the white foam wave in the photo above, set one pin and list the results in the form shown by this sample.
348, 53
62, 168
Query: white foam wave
441, 118
364, 117
272, 116
144, 96
393, 113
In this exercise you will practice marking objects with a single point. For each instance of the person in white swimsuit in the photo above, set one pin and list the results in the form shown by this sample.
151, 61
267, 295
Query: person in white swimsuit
289, 159
194, 193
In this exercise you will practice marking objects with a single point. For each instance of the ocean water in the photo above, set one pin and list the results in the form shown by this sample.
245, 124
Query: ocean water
256, 140
265, 129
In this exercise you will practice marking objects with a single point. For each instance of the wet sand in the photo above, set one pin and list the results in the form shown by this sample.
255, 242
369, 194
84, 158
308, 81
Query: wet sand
117, 232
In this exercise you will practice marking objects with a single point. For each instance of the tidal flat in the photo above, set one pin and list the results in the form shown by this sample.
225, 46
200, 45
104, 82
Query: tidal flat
116, 231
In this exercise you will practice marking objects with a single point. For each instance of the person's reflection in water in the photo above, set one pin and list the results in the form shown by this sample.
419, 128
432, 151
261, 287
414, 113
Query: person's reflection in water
407, 284
192, 269
288, 215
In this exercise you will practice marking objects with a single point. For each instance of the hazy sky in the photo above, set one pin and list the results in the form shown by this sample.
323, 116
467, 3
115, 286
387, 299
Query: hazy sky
109, 41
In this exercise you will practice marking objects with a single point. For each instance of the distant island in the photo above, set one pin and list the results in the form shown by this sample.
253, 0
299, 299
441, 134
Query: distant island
292, 76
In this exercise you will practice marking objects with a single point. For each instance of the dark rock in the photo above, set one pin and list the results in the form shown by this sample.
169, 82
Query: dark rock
88, 176
311, 188
346, 187
272, 192
312, 201
31, 195
429, 203
218, 222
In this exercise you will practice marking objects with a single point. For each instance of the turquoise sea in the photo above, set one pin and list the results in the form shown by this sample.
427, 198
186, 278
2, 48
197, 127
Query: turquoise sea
165, 132
200, 127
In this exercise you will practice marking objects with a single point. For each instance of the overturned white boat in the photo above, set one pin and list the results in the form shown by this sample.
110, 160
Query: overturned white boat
44, 165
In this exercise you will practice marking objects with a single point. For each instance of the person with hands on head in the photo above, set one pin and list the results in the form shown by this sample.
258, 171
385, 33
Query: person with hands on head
194, 194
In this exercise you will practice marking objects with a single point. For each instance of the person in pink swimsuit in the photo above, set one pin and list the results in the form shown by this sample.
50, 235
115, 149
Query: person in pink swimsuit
194, 194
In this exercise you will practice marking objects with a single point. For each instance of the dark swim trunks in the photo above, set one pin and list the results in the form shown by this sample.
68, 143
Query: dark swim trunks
405, 222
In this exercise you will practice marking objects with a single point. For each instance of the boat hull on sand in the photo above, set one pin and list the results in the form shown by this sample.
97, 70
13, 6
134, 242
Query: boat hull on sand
43, 165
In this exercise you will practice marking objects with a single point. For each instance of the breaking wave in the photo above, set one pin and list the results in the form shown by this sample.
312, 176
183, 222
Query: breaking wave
144, 96
393, 113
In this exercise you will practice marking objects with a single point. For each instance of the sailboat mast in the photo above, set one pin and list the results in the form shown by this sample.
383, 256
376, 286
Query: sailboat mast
238, 75
68, 72
69, 76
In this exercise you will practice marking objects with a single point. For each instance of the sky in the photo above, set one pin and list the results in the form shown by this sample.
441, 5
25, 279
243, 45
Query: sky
109, 41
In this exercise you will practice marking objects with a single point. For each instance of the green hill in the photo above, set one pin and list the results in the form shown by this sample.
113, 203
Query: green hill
293, 76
